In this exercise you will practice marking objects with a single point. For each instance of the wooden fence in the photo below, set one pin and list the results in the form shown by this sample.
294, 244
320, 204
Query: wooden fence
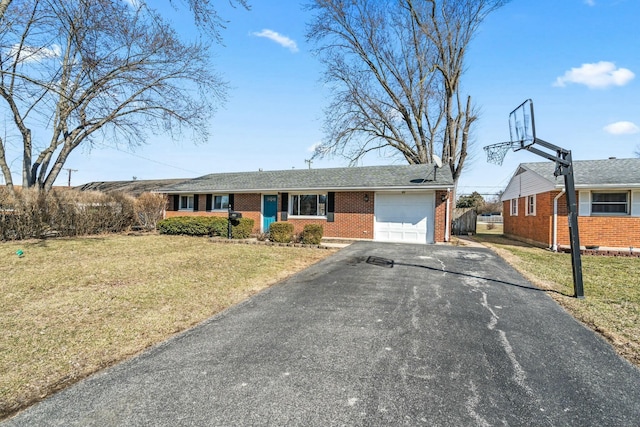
464, 221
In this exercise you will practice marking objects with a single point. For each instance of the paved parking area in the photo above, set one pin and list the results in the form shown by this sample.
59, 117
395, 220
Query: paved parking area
377, 334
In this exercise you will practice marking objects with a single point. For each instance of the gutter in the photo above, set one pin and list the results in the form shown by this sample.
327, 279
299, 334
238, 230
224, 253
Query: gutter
291, 189
447, 216
554, 245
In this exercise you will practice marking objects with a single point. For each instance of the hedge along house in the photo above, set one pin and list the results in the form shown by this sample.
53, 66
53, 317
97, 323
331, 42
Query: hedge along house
608, 194
409, 203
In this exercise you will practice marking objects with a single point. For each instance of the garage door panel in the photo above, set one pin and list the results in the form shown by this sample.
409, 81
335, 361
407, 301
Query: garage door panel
404, 217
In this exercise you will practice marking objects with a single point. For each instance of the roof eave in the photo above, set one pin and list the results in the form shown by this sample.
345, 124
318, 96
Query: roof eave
337, 189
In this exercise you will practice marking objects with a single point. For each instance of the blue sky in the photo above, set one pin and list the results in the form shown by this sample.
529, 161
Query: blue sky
578, 60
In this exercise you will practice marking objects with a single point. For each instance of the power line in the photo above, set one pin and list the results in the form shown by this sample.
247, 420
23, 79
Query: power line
148, 159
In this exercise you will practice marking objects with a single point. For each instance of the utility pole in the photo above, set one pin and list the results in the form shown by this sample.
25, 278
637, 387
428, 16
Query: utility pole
70, 170
308, 162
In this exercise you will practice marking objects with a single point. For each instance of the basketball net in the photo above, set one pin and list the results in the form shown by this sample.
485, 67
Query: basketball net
496, 152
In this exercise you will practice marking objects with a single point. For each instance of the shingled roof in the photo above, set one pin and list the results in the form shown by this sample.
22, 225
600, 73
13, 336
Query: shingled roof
350, 178
593, 173
134, 187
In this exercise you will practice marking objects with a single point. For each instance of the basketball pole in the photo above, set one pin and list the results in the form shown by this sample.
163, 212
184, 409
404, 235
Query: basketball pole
564, 166
522, 130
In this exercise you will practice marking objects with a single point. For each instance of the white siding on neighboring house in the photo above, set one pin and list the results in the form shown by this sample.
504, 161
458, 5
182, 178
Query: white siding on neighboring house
635, 203
584, 203
526, 183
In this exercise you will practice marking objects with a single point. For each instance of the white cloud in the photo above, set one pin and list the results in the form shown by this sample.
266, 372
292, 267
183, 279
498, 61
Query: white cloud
283, 41
596, 76
622, 128
34, 54
590, 2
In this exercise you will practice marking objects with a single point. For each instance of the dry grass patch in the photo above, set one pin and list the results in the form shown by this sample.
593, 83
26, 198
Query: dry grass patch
489, 228
69, 307
612, 290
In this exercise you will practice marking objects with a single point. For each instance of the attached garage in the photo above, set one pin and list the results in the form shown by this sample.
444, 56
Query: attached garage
404, 217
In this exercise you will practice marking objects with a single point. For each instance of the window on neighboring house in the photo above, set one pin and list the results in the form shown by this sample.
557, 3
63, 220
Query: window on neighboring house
309, 205
186, 202
610, 203
514, 207
221, 202
531, 205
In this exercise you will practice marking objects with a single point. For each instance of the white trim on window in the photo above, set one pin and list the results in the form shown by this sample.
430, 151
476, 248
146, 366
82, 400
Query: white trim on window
531, 205
610, 203
186, 202
513, 210
308, 205
220, 202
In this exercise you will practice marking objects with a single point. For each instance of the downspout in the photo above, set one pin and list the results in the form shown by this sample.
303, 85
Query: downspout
554, 246
447, 216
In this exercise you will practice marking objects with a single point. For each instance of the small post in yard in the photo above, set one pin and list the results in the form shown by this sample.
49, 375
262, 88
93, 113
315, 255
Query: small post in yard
523, 136
229, 223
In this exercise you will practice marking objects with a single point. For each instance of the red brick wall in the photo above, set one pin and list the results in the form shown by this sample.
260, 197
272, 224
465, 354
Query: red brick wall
353, 217
440, 215
249, 205
606, 231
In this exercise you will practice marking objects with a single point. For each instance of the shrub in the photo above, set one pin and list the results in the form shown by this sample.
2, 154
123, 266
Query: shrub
149, 208
33, 213
242, 228
281, 232
219, 226
194, 226
312, 234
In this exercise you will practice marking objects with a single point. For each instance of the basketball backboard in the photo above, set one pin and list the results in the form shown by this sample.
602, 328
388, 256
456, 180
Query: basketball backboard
522, 128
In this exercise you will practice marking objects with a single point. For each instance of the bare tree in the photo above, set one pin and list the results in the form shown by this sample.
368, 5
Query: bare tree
87, 71
396, 67
637, 152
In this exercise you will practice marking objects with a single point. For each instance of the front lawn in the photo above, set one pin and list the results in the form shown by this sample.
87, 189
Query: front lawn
611, 286
69, 307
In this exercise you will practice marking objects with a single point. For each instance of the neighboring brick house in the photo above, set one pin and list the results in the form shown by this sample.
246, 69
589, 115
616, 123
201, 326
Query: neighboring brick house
408, 203
608, 194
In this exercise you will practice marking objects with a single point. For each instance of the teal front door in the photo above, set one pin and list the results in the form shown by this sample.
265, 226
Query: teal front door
269, 211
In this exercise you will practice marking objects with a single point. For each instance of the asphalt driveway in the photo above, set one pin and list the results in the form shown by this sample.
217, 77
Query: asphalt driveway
377, 334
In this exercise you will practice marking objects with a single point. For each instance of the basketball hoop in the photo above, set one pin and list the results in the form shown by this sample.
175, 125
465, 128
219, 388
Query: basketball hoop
522, 132
496, 152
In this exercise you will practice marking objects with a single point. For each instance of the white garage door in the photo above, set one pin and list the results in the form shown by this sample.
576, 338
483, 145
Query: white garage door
407, 218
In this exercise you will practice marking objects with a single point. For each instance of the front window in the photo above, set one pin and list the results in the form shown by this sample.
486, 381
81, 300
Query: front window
186, 202
221, 202
309, 204
610, 203
514, 207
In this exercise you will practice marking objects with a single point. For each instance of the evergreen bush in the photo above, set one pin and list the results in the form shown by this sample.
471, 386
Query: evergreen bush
312, 234
242, 228
281, 232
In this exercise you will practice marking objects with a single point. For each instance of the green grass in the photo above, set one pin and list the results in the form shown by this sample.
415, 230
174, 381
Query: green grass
611, 286
69, 307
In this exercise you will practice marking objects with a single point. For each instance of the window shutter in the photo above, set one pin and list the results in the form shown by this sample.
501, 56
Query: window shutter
209, 202
635, 203
196, 199
176, 202
331, 202
232, 203
284, 206
584, 203
331, 206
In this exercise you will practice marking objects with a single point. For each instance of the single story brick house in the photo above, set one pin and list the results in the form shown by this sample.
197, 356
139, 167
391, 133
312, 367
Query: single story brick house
401, 203
608, 194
